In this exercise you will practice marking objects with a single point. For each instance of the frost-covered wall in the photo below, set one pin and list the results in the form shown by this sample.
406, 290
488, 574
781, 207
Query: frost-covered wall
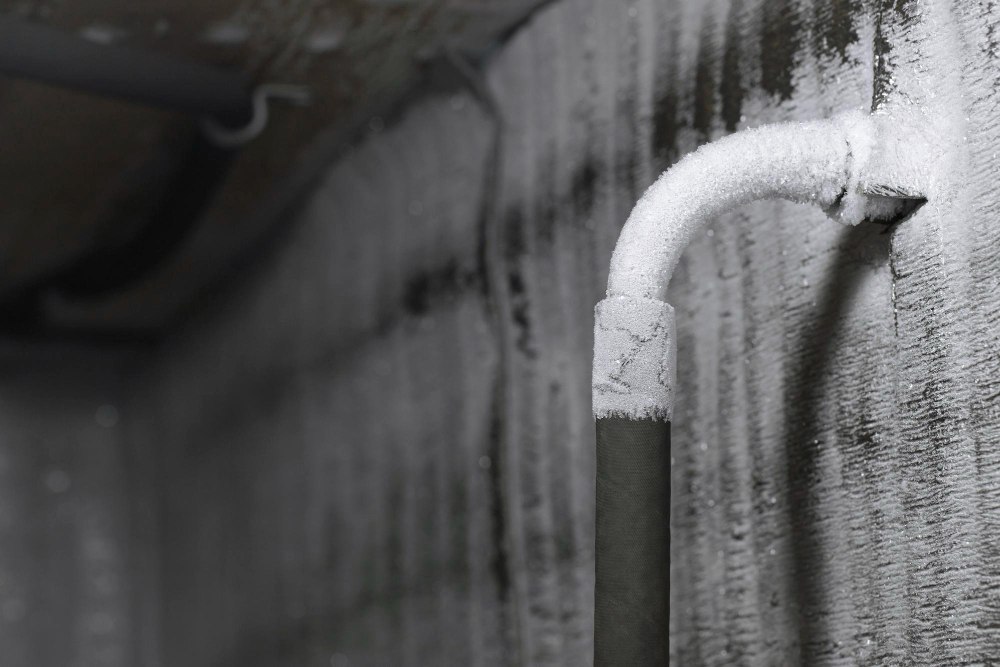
75, 540
380, 451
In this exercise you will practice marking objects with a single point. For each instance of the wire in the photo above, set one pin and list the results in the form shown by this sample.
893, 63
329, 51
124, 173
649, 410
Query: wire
226, 137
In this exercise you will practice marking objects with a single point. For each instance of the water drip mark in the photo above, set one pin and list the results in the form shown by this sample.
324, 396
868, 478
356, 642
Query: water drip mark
835, 27
500, 239
666, 106
583, 189
780, 43
730, 86
892, 14
520, 311
704, 79
427, 287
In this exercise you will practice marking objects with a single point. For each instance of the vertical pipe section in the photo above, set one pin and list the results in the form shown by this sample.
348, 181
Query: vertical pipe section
632, 598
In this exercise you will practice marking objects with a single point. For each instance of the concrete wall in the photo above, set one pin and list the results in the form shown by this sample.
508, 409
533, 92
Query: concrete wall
380, 450
74, 543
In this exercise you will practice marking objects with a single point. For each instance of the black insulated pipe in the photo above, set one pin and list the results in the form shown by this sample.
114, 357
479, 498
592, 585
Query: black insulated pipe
45, 54
632, 596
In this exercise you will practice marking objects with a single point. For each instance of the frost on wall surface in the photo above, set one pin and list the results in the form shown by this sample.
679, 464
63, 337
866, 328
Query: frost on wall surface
72, 559
381, 452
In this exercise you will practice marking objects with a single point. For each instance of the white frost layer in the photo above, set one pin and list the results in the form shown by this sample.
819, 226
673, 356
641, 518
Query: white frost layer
634, 358
819, 162
811, 162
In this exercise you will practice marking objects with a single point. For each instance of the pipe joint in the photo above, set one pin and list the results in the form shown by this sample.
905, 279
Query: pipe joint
635, 358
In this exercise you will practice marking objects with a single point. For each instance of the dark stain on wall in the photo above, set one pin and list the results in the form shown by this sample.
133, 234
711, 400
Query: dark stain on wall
834, 26
499, 563
395, 546
665, 127
626, 162
426, 287
564, 536
514, 243
579, 201
934, 404
514, 248
583, 189
730, 85
665, 108
490, 235
429, 567
882, 76
992, 36
890, 13
545, 201
628, 109
458, 524
780, 41
519, 306
628, 175
704, 78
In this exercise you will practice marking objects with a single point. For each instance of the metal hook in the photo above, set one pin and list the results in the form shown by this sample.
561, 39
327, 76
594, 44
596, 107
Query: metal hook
226, 137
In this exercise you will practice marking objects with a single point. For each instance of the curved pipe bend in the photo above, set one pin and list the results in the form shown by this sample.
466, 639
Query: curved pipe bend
810, 162
634, 350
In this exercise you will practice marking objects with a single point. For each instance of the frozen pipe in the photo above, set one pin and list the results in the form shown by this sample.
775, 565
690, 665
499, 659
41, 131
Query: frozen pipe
635, 350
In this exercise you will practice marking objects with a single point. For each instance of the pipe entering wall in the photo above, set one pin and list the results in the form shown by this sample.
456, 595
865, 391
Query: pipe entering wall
634, 349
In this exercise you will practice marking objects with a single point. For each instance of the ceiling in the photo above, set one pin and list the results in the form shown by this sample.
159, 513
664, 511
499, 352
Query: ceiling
81, 174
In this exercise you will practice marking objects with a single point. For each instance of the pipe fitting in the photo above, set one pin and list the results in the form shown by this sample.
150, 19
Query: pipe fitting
635, 358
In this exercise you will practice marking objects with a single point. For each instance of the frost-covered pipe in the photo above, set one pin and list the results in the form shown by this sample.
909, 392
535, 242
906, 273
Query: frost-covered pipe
815, 162
803, 162
635, 350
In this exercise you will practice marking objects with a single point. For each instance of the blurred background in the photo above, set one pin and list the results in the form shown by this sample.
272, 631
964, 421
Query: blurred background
322, 398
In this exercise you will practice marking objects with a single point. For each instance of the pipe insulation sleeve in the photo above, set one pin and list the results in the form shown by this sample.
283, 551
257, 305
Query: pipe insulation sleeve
634, 358
634, 342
